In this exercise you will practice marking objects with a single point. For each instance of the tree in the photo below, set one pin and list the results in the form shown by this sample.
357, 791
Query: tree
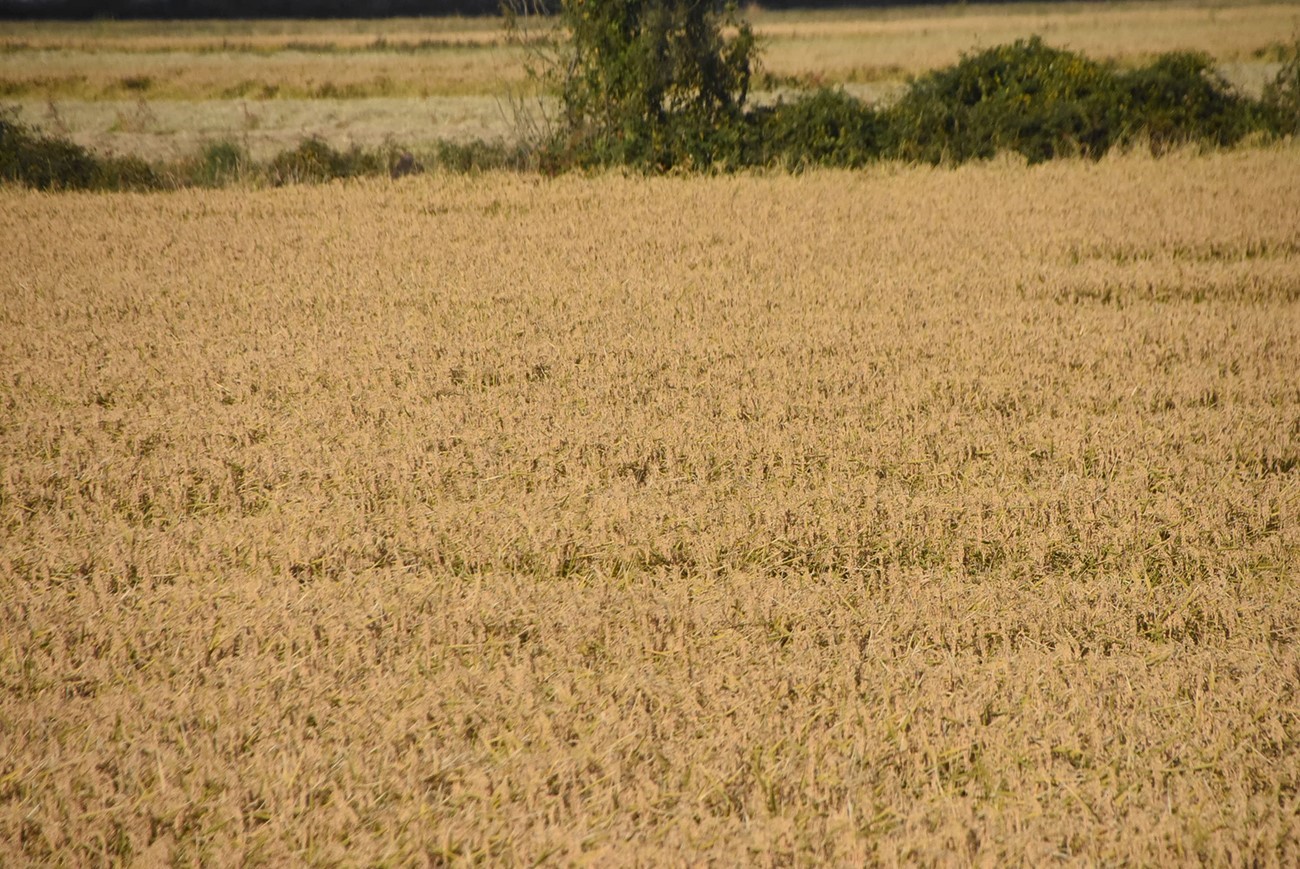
654, 83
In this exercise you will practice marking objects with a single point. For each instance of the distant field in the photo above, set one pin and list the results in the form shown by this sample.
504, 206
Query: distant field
907, 515
173, 129
364, 81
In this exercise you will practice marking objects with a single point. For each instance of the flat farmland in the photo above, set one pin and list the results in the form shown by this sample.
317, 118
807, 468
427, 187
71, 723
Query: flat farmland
161, 90
907, 515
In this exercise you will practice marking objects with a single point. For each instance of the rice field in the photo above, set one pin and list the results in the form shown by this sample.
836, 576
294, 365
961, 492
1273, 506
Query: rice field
898, 516
890, 517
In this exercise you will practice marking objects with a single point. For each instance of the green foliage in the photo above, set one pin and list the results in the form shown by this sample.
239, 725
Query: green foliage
42, 162
1026, 97
1177, 99
1044, 102
825, 128
662, 85
1281, 99
314, 160
53, 163
657, 84
652, 83
477, 156
126, 173
219, 164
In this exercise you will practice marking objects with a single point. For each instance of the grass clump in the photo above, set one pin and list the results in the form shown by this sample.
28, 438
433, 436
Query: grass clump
219, 163
315, 160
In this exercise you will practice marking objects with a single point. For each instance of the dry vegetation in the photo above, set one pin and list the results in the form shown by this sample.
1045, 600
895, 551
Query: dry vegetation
175, 129
905, 515
257, 60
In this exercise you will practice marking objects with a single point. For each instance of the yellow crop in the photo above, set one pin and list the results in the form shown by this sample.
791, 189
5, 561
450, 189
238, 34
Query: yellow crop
906, 515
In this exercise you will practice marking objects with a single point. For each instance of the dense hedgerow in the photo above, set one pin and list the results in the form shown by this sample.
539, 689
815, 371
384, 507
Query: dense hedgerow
1024, 97
315, 160
659, 85
1180, 98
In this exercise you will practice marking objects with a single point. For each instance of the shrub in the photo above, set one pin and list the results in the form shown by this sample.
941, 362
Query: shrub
825, 128
40, 161
54, 163
1281, 101
1026, 97
476, 156
219, 163
1179, 98
314, 160
1044, 102
125, 173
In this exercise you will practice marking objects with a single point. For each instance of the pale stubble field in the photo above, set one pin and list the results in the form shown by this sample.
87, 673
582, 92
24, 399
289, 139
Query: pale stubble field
902, 515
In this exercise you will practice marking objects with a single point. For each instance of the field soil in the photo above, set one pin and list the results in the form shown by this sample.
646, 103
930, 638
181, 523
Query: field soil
906, 515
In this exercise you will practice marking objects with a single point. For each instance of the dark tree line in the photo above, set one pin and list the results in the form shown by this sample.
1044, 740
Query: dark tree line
163, 9
168, 9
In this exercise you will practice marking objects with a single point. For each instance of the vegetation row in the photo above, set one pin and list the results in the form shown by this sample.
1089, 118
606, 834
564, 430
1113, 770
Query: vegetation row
668, 92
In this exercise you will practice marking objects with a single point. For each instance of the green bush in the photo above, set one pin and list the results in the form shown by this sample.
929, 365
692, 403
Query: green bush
52, 163
219, 163
125, 173
42, 162
477, 156
1026, 97
1044, 102
1281, 101
825, 128
662, 84
314, 160
1178, 99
